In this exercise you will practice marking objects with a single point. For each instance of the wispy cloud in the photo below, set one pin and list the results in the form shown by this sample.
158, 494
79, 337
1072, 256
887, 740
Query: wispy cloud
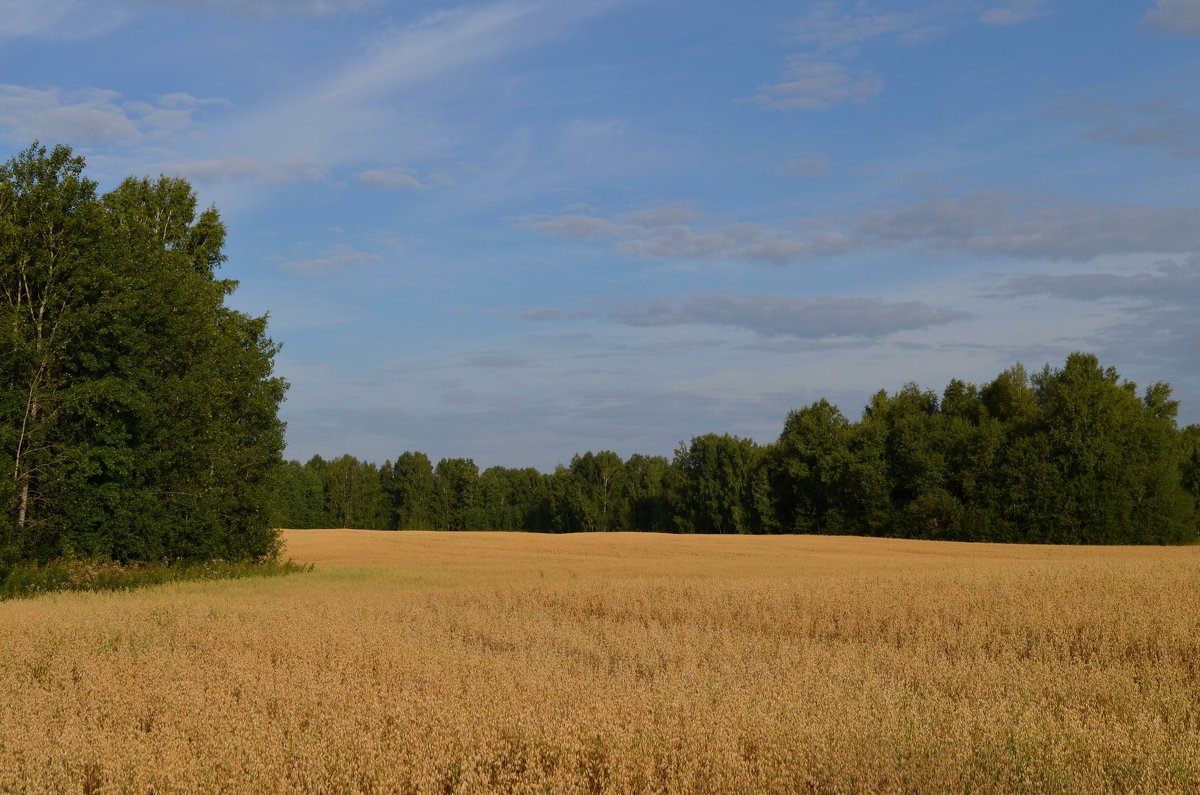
334, 259
824, 73
577, 227
809, 166
812, 84
82, 19
997, 223
834, 28
263, 8
1174, 18
550, 313
980, 223
1012, 12
94, 116
678, 231
390, 178
769, 316
351, 117
61, 19
498, 361
227, 169
1168, 282
1158, 320
1160, 123
780, 316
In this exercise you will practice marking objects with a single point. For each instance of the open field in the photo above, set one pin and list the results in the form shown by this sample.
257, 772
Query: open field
476, 662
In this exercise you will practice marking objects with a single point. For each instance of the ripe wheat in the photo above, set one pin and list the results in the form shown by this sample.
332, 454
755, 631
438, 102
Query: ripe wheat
482, 662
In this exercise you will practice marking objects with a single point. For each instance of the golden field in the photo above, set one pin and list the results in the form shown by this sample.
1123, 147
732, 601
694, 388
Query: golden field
473, 662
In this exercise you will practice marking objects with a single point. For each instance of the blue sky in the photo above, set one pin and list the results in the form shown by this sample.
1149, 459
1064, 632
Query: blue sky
523, 229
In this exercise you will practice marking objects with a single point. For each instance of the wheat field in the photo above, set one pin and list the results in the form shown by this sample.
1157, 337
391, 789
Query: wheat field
473, 662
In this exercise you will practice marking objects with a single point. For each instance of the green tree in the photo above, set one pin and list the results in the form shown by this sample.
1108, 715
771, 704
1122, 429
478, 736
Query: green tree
1010, 398
649, 482
50, 228
914, 436
456, 494
510, 499
804, 467
355, 495
716, 494
1189, 471
138, 412
596, 492
300, 497
1089, 415
410, 488
829, 475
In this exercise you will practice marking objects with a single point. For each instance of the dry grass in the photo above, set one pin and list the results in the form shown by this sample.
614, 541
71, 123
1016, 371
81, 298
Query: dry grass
481, 662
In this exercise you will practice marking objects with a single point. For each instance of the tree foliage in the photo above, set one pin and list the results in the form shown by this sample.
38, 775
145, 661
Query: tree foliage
1069, 455
138, 413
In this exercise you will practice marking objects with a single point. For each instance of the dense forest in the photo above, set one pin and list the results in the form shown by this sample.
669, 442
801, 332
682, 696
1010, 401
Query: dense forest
1073, 455
138, 413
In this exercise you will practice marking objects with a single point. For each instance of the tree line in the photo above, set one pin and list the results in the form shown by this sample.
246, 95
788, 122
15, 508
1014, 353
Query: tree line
138, 413
1072, 455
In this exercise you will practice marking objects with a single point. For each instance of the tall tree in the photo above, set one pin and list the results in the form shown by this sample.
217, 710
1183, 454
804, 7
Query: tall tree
596, 492
50, 237
410, 487
716, 495
300, 497
649, 483
355, 494
804, 467
456, 494
139, 413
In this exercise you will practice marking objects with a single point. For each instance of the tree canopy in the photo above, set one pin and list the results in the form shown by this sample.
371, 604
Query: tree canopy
138, 413
1066, 455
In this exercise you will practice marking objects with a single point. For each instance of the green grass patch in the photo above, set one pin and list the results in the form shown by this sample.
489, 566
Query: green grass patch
25, 580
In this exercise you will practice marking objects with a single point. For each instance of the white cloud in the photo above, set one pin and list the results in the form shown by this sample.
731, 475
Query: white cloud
87, 117
831, 28
577, 227
733, 242
981, 223
229, 169
780, 316
1168, 282
498, 361
823, 73
1012, 12
810, 166
1153, 321
236, 168
551, 313
352, 116
810, 84
60, 19
83, 19
391, 178
449, 40
1159, 124
334, 259
348, 119
1174, 17
92, 116
263, 8
298, 169
679, 212
996, 223
678, 232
